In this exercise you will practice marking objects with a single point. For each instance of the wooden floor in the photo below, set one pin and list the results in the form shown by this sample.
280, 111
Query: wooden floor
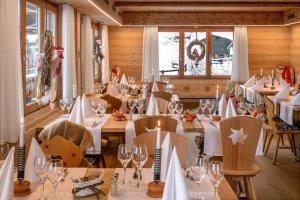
281, 181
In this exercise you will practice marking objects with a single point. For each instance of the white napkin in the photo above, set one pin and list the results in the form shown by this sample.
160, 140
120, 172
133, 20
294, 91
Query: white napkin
175, 186
166, 148
222, 106
230, 111
237, 136
86, 107
250, 82
124, 80
283, 83
34, 151
153, 106
259, 84
76, 114
6, 177
295, 101
154, 87
283, 93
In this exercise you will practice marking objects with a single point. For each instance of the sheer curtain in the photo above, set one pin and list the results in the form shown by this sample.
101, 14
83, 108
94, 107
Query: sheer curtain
105, 50
68, 42
11, 96
150, 53
87, 56
240, 68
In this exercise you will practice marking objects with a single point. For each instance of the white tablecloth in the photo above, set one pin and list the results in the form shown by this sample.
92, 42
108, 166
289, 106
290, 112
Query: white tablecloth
286, 112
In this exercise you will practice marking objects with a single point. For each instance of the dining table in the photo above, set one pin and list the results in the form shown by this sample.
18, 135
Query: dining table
129, 191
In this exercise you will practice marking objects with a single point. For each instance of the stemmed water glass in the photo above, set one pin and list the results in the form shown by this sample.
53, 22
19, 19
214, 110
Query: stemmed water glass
69, 105
56, 173
101, 110
41, 167
210, 104
170, 88
139, 104
171, 107
132, 103
139, 158
199, 169
179, 109
102, 88
202, 106
124, 156
216, 174
62, 104
124, 90
165, 79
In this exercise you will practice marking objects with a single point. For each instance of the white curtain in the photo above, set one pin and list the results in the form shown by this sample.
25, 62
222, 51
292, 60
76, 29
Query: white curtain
11, 96
105, 51
150, 53
87, 56
68, 41
240, 68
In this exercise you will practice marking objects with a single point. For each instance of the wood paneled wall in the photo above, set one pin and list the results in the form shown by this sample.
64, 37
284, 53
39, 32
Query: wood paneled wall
295, 47
268, 47
126, 49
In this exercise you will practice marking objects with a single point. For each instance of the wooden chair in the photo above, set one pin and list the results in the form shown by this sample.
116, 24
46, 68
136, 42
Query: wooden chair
239, 159
149, 139
163, 95
150, 122
280, 128
161, 85
113, 103
71, 154
163, 98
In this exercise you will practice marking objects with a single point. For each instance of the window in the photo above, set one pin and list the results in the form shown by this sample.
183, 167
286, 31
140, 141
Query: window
51, 23
205, 52
96, 64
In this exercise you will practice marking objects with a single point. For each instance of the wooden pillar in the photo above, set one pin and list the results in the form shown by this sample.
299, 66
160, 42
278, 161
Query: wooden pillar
77, 50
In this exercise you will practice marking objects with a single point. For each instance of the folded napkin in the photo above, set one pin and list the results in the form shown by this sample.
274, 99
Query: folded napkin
154, 87
86, 107
175, 186
295, 101
6, 177
250, 82
222, 106
34, 151
283, 83
230, 111
124, 80
166, 148
153, 106
77, 114
259, 84
283, 93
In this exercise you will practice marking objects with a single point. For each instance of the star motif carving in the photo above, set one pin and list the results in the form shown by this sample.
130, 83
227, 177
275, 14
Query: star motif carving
237, 136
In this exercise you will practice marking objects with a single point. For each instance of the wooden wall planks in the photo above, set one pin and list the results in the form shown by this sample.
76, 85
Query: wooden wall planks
295, 47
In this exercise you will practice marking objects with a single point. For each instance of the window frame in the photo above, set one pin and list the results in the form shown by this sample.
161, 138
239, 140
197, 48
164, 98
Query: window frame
208, 30
34, 106
96, 26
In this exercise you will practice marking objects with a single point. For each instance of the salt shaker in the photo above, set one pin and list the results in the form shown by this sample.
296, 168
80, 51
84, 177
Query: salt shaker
114, 184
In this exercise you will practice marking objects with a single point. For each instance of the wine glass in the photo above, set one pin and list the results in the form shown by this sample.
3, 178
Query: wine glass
40, 167
69, 106
171, 107
139, 158
216, 174
202, 106
4, 149
62, 104
179, 109
139, 104
132, 103
56, 173
124, 90
210, 104
101, 110
102, 88
170, 88
124, 156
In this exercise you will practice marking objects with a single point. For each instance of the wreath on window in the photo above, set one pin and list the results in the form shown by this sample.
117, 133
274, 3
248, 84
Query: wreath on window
194, 55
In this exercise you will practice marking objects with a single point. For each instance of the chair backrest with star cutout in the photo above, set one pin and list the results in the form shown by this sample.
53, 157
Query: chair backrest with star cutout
240, 156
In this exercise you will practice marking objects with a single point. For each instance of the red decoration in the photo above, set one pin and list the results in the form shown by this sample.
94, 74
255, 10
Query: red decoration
286, 75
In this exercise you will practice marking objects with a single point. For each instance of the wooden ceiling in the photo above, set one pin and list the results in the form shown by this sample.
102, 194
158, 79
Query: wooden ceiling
191, 12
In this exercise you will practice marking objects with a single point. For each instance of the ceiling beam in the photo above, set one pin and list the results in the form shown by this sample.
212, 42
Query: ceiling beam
202, 19
214, 1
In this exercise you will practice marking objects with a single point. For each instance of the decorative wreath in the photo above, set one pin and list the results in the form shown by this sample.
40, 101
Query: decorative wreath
195, 55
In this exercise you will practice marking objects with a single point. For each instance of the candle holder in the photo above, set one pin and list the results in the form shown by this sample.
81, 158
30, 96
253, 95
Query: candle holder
21, 186
156, 187
273, 86
217, 107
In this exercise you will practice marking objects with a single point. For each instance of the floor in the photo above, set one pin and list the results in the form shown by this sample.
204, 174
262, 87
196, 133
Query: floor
279, 182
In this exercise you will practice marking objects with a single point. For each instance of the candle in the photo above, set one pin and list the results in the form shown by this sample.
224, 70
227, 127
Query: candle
261, 72
21, 139
272, 73
298, 79
74, 91
158, 136
217, 92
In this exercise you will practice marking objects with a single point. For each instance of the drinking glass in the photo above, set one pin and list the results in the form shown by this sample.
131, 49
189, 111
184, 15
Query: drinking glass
139, 105
62, 104
165, 79
69, 106
4, 149
199, 168
101, 110
139, 158
40, 167
216, 174
202, 105
179, 109
170, 88
171, 107
102, 88
132, 103
124, 156
124, 90
56, 173
210, 104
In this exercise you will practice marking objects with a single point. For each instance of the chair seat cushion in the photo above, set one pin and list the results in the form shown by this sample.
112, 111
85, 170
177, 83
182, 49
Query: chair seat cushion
283, 126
